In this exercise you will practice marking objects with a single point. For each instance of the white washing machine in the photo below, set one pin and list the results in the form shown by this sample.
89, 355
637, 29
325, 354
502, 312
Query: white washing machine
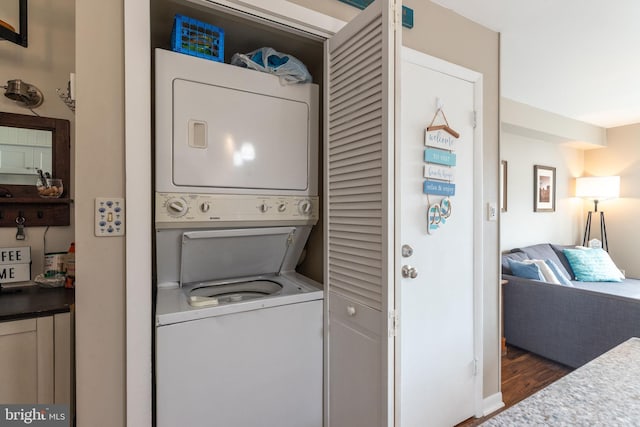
240, 342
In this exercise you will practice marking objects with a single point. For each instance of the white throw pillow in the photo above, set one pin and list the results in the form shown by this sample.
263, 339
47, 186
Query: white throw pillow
547, 273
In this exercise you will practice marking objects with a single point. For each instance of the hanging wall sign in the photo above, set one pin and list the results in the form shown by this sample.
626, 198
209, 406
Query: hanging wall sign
439, 188
439, 139
442, 173
441, 157
439, 170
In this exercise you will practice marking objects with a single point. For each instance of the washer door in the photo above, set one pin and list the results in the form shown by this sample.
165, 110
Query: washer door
227, 254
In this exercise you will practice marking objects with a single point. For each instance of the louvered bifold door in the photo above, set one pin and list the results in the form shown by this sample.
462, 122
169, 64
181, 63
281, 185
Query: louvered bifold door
359, 146
359, 90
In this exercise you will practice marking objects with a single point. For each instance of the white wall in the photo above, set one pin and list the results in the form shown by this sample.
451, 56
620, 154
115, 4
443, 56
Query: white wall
621, 157
45, 63
520, 225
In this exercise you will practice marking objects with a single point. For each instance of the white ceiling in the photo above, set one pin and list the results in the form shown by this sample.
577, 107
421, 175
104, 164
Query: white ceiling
576, 58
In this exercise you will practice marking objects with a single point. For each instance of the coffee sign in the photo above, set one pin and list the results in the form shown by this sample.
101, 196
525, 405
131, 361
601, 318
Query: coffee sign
15, 264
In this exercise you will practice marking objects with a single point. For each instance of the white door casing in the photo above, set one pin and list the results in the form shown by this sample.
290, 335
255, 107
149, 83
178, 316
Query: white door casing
282, 11
439, 349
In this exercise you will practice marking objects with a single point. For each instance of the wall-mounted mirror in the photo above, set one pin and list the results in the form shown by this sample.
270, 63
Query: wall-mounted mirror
28, 143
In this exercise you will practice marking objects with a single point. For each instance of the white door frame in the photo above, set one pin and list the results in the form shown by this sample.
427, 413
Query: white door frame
137, 133
475, 78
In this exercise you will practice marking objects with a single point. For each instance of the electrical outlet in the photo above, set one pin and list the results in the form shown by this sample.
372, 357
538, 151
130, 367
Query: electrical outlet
109, 216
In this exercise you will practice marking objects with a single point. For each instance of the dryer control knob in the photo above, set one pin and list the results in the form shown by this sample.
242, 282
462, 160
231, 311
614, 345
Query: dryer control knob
177, 207
264, 208
282, 207
305, 207
205, 206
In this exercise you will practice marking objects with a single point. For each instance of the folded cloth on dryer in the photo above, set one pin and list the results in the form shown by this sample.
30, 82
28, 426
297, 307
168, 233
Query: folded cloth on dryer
268, 60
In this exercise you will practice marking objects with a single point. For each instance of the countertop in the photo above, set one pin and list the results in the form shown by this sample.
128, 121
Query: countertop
34, 301
604, 392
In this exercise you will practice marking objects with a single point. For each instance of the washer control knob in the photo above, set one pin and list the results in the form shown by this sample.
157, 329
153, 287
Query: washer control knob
177, 207
205, 206
282, 207
264, 208
305, 207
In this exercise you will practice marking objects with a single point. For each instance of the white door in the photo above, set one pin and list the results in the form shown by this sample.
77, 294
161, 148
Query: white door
438, 368
360, 98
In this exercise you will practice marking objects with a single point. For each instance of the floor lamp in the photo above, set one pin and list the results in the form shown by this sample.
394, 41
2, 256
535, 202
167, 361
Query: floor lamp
597, 188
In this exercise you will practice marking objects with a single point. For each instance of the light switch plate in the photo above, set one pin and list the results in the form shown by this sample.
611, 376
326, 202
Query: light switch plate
492, 211
109, 216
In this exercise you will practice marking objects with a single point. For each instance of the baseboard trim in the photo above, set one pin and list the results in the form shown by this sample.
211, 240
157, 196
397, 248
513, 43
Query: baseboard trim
492, 403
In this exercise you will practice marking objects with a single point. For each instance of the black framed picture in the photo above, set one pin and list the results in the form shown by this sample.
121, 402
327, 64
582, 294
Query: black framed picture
544, 189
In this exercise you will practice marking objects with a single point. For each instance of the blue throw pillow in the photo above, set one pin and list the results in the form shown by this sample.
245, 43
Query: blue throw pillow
592, 265
526, 271
559, 274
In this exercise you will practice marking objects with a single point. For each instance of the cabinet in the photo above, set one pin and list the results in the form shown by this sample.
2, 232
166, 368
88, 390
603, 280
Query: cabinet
35, 360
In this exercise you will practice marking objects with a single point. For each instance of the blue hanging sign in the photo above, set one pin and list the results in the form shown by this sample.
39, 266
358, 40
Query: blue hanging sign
438, 188
441, 157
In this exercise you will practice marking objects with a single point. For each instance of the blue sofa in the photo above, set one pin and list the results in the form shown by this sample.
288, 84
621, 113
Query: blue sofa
568, 324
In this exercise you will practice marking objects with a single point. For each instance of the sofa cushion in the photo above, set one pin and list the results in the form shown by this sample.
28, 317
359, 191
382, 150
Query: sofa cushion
593, 265
559, 250
526, 270
543, 251
564, 280
516, 256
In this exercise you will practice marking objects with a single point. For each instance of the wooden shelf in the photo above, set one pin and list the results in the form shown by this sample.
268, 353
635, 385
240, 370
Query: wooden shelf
37, 212
34, 201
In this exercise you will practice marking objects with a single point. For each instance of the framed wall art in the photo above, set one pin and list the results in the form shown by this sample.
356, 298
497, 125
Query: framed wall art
544, 189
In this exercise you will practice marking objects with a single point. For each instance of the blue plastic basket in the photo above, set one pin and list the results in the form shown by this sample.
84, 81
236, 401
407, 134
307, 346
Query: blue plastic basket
197, 38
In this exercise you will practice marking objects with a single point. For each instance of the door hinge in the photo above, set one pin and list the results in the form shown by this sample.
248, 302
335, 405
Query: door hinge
397, 16
393, 323
475, 119
475, 367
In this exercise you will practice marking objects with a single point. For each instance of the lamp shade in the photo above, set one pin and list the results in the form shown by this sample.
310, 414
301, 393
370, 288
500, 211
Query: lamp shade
598, 187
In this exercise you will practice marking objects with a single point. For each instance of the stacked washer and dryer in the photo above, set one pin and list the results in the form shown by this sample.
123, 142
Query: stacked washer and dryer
238, 330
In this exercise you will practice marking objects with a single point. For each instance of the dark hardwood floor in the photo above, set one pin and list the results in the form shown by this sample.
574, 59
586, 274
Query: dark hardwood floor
523, 374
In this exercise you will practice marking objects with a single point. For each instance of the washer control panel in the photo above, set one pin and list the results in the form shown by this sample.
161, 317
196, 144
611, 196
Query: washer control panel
188, 207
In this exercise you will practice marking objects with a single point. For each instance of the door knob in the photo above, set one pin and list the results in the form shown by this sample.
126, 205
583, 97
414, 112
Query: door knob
409, 272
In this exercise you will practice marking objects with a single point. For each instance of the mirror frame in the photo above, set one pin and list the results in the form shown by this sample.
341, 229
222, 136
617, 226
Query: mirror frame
24, 199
